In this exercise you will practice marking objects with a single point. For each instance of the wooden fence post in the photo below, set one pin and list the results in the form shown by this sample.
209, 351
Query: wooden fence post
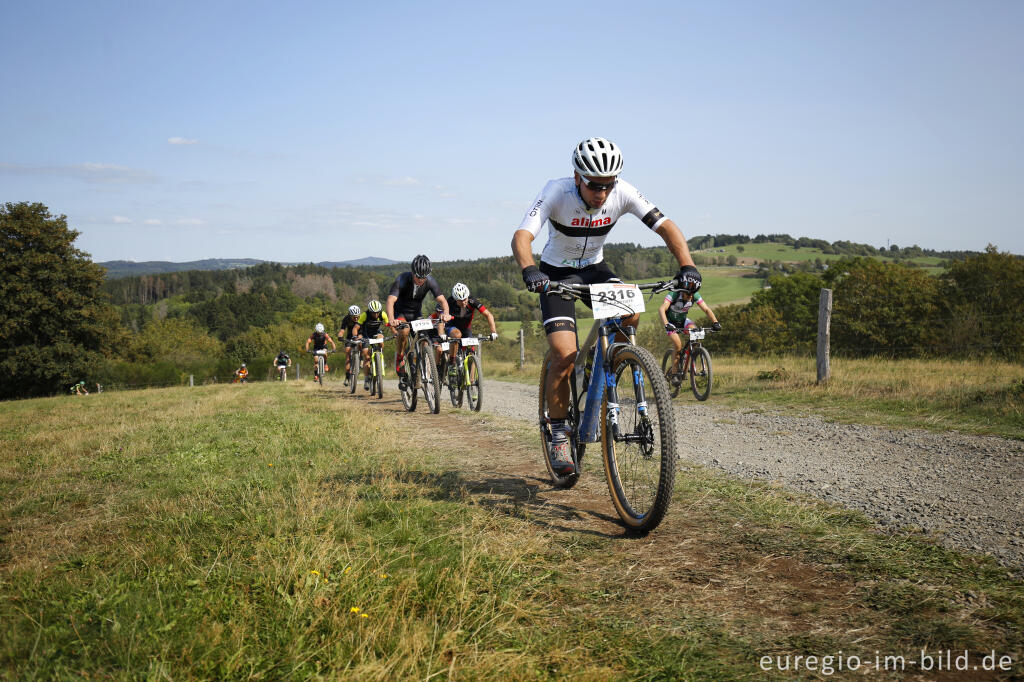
522, 349
824, 335
191, 378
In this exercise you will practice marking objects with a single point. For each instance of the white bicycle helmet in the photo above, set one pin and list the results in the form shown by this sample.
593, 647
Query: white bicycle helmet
374, 306
460, 292
319, 328
354, 310
597, 157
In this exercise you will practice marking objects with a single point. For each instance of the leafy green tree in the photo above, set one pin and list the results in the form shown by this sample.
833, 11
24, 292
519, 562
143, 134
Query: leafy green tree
56, 325
982, 296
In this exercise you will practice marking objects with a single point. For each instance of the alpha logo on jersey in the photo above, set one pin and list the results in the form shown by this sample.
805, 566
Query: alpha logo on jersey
591, 222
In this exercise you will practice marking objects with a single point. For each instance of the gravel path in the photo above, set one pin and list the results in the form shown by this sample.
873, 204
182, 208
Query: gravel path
968, 491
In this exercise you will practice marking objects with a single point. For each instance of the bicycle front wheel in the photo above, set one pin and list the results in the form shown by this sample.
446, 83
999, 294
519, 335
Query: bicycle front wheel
640, 460
428, 376
320, 369
674, 380
700, 373
474, 382
378, 375
411, 375
353, 368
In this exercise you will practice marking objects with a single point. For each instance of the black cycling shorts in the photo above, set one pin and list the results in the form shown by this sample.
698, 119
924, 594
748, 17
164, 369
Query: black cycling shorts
558, 314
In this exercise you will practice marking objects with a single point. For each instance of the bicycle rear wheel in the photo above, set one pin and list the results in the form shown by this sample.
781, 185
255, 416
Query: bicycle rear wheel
320, 369
675, 380
378, 375
411, 375
700, 373
641, 464
474, 382
428, 376
572, 420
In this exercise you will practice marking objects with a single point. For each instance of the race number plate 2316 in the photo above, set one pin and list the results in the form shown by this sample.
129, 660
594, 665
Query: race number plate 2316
615, 300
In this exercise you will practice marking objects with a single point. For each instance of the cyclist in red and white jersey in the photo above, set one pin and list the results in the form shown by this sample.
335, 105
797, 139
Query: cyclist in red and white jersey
580, 211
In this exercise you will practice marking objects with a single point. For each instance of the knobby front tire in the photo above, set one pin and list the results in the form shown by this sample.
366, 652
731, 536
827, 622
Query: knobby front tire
700, 373
474, 383
378, 376
572, 419
640, 474
411, 379
354, 362
428, 375
674, 381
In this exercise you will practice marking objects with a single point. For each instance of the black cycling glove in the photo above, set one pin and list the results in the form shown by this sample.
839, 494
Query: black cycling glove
716, 326
670, 327
688, 273
536, 281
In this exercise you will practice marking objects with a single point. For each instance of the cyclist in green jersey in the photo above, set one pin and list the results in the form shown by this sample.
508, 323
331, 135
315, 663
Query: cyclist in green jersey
673, 312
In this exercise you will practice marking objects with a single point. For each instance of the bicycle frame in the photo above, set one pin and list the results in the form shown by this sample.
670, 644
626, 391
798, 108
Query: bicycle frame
602, 380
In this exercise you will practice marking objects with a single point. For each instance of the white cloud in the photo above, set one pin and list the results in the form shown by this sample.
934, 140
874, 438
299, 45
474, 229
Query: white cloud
89, 172
152, 221
181, 141
190, 221
121, 220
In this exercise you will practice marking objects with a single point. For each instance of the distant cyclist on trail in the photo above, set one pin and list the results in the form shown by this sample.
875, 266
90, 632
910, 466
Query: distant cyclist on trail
242, 374
461, 323
319, 338
348, 324
79, 389
674, 311
580, 211
405, 303
282, 360
369, 324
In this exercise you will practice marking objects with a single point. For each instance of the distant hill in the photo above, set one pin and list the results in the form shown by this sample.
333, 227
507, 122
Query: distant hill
116, 269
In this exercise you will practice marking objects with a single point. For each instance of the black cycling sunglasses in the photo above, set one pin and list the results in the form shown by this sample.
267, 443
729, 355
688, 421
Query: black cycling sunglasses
599, 187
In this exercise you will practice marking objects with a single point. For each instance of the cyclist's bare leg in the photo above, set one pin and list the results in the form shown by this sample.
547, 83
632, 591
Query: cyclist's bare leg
561, 359
366, 362
454, 349
677, 344
402, 335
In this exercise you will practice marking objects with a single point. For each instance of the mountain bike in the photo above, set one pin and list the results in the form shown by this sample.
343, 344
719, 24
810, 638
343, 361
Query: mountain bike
282, 372
355, 361
617, 395
466, 381
376, 346
320, 364
694, 362
420, 368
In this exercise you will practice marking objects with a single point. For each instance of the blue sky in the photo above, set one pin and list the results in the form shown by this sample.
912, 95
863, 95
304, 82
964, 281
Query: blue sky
335, 130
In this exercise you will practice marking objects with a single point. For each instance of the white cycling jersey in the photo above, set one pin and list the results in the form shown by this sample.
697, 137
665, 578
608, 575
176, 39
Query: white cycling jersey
576, 233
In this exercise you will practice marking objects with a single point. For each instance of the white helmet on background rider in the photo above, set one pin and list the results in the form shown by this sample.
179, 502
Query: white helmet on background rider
354, 310
597, 157
460, 292
319, 328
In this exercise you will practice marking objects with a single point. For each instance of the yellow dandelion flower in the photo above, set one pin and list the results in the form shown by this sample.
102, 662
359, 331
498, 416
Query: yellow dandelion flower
363, 615
270, 464
354, 609
348, 568
383, 575
315, 572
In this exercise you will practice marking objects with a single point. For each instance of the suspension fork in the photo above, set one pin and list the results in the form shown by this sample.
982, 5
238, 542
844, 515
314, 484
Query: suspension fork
611, 386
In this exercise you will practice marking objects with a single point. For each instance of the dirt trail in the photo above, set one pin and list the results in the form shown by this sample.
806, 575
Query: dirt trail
965, 490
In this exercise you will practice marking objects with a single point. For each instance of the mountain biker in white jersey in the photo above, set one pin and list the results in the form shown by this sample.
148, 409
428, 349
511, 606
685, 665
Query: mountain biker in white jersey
580, 211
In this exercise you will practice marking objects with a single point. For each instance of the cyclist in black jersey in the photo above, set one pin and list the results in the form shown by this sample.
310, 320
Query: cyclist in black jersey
462, 312
348, 324
405, 301
369, 324
319, 338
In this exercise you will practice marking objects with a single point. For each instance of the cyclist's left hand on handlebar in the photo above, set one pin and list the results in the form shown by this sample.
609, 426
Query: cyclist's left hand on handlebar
536, 281
669, 327
494, 336
716, 326
688, 273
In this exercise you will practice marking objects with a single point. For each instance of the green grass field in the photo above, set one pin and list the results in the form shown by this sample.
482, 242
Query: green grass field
277, 531
767, 251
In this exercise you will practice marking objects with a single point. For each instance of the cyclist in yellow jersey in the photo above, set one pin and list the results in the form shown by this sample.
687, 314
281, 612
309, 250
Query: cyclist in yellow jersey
369, 324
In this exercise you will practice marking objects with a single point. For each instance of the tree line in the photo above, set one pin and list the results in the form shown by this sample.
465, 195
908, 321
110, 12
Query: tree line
61, 321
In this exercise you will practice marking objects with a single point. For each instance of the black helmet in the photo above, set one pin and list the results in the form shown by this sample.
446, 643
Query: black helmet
421, 266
